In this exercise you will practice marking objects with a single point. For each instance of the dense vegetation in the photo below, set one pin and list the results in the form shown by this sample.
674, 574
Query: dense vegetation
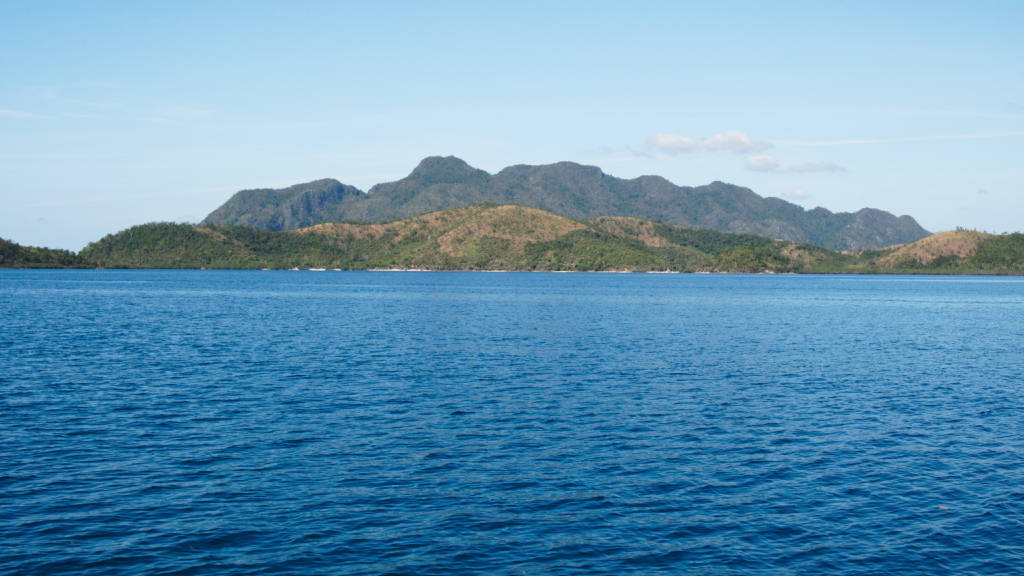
16, 256
485, 237
504, 237
168, 245
1003, 253
568, 189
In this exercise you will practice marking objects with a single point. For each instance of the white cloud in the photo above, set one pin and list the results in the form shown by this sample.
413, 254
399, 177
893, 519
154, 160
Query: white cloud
762, 163
728, 141
734, 141
798, 195
672, 144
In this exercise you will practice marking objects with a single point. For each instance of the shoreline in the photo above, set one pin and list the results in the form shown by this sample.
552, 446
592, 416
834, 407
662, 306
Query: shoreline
503, 271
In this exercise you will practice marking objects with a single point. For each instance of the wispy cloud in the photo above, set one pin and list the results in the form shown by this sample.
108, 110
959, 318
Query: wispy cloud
799, 194
906, 139
672, 144
734, 141
8, 113
728, 141
762, 163
768, 163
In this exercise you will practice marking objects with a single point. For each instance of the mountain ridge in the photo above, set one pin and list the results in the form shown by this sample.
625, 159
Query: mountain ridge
570, 189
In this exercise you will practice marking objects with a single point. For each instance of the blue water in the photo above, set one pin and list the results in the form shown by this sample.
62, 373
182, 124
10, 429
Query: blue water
167, 422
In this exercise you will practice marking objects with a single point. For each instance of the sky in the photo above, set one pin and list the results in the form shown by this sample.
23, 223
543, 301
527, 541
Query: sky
114, 114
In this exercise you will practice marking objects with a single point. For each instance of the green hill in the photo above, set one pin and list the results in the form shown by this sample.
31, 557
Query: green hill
571, 190
955, 252
512, 237
14, 255
482, 237
293, 207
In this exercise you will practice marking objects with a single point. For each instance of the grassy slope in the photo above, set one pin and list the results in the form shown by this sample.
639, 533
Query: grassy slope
954, 252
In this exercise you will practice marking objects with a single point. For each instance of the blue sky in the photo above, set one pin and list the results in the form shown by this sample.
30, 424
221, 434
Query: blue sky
115, 114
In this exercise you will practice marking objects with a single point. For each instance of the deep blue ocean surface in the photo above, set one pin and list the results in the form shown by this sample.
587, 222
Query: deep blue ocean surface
168, 422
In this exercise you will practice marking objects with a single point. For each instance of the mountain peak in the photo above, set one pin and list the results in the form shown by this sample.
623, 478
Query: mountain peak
318, 183
276, 209
444, 169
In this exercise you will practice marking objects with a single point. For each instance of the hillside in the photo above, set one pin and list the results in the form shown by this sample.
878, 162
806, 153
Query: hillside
482, 237
937, 247
568, 189
955, 252
13, 255
512, 237
292, 207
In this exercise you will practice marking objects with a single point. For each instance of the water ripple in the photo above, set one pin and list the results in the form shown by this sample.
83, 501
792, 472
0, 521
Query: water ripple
362, 423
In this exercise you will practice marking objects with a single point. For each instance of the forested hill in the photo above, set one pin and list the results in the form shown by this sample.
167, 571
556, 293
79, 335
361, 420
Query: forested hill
482, 237
509, 237
13, 255
568, 189
293, 207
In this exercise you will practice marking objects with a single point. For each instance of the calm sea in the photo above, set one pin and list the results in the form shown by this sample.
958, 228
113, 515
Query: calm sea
168, 422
